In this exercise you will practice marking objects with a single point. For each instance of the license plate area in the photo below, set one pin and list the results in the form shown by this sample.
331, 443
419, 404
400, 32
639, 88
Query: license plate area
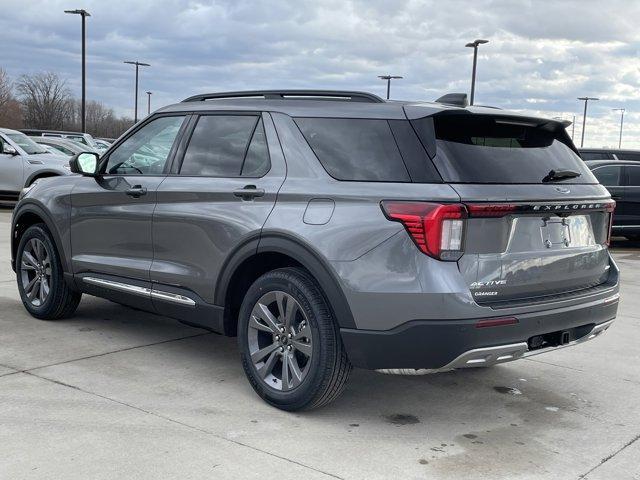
566, 232
555, 232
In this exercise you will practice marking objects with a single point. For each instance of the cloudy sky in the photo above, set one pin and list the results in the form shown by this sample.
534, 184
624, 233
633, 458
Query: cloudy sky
541, 56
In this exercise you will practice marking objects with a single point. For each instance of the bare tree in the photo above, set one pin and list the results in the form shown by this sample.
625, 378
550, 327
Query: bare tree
10, 108
45, 100
5, 89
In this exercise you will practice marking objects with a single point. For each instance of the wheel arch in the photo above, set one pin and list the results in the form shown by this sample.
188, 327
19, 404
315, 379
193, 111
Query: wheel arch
271, 251
30, 214
41, 174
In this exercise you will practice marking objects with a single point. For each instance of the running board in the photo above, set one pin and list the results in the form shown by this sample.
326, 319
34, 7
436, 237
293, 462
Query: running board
152, 293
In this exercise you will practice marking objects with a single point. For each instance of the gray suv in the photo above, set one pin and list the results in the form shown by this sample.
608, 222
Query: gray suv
332, 229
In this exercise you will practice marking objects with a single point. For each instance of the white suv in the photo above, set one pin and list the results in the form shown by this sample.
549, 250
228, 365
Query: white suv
23, 161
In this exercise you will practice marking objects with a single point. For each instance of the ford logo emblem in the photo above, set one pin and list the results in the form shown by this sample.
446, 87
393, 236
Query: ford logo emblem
562, 190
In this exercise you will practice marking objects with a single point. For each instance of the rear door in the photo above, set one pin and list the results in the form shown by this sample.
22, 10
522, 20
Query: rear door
529, 234
221, 189
631, 197
613, 178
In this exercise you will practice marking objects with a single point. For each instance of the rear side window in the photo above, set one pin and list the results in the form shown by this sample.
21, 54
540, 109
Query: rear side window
628, 156
633, 175
227, 146
596, 155
608, 176
486, 149
355, 149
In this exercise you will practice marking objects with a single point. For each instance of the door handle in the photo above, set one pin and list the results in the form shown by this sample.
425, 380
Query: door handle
136, 191
249, 192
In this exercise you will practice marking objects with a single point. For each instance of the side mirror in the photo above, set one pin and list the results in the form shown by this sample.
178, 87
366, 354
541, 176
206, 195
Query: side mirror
7, 149
85, 163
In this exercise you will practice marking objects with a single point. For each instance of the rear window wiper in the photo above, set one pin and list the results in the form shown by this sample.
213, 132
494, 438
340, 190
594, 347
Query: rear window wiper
556, 175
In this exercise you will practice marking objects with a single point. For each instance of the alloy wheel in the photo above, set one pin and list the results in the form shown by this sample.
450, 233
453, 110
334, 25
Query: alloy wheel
280, 341
35, 271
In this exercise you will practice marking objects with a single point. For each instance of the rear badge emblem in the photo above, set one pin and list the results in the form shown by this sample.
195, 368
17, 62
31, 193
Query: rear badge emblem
562, 190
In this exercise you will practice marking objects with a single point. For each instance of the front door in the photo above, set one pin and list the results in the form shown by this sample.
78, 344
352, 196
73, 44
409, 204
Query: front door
12, 173
111, 214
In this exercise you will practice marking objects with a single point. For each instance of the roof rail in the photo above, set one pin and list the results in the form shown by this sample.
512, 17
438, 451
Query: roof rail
455, 99
291, 94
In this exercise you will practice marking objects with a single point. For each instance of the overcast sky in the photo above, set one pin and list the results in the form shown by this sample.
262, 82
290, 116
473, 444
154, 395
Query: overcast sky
541, 55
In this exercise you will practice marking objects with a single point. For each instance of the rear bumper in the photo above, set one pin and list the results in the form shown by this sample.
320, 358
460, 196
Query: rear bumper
435, 345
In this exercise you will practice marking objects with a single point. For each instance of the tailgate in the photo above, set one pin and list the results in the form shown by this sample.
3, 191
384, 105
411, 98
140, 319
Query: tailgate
519, 250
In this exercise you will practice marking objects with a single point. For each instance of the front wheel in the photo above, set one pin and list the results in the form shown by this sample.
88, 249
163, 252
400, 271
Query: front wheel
41, 284
289, 343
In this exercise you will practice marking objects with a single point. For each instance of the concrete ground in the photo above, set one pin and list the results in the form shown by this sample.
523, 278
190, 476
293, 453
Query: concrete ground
116, 393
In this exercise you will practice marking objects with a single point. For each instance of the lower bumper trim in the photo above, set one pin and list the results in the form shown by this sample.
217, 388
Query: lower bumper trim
489, 356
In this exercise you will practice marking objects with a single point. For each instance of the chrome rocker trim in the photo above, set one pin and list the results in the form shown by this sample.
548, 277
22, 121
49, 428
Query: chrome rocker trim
142, 291
489, 356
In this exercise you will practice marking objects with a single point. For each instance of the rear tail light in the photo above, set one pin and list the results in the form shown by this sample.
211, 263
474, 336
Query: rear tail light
610, 207
437, 229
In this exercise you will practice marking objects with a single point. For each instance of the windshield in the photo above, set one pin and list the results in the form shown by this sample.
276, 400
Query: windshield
25, 143
85, 139
487, 149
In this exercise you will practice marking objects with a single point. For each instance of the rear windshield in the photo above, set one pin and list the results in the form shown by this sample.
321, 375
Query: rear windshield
484, 149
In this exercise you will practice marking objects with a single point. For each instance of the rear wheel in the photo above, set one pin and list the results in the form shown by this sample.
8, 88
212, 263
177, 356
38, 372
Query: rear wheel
289, 343
41, 284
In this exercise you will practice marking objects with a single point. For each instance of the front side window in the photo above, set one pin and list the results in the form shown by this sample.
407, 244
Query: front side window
227, 146
608, 176
147, 150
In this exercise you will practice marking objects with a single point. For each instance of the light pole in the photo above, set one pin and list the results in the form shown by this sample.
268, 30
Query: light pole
584, 115
137, 64
388, 78
84, 14
621, 110
149, 103
474, 45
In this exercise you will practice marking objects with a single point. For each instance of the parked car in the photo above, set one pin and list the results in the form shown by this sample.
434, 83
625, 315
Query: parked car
608, 154
103, 145
84, 138
332, 229
22, 162
65, 146
622, 179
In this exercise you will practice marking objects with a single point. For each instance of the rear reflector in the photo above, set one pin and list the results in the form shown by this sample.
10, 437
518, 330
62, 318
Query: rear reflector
437, 229
496, 322
490, 209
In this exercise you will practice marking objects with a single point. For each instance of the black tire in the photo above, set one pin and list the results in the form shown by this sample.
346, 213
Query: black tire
329, 366
61, 301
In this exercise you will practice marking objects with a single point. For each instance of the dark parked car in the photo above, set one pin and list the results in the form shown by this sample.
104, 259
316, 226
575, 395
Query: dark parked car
609, 154
622, 179
330, 229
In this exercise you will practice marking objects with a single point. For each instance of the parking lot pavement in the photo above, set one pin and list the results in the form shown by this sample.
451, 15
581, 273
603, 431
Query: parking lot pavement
117, 393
